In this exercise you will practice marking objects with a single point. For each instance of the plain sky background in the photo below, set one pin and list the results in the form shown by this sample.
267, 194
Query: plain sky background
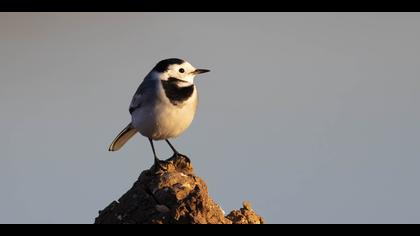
313, 117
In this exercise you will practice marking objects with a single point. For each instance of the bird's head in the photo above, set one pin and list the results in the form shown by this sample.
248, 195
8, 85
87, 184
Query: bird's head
176, 70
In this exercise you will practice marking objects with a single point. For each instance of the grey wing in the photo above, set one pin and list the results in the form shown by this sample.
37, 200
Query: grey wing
144, 93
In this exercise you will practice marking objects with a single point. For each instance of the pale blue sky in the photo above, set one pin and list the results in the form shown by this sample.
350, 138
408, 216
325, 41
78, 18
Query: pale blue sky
313, 117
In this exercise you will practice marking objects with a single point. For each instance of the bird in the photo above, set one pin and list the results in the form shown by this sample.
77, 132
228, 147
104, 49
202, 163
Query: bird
163, 106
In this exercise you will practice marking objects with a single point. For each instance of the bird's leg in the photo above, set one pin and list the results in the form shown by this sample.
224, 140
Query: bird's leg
176, 153
172, 147
157, 161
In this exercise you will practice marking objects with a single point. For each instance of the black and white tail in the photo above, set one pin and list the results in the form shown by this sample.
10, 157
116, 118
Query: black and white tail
122, 138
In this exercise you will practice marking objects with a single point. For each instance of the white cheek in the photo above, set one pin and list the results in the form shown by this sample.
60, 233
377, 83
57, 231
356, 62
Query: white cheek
189, 78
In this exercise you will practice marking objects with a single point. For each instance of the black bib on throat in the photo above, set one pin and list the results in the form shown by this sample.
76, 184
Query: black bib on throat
175, 93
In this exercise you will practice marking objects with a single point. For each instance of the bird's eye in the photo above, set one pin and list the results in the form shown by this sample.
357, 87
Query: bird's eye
181, 70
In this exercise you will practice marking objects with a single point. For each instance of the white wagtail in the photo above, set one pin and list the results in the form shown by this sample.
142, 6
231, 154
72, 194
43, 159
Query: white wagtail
164, 104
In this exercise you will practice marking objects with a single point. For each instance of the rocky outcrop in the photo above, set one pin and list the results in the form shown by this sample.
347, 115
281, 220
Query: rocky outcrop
172, 196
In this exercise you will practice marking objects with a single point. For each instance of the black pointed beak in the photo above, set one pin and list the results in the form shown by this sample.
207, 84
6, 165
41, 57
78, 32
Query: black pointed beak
200, 71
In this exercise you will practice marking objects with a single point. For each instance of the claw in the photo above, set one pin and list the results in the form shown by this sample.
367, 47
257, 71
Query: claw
186, 158
160, 165
177, 154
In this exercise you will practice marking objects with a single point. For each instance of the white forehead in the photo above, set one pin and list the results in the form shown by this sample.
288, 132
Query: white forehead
185, 65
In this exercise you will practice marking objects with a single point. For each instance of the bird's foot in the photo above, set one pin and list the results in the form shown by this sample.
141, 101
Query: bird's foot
179, 155
185, 157
160, 165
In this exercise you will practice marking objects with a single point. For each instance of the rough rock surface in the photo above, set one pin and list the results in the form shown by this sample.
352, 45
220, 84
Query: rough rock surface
173, 196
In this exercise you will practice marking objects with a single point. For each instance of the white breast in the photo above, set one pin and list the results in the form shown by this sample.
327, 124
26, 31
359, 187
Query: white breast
164, 120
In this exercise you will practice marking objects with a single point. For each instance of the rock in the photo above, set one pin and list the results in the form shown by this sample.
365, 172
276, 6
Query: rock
173, 196
245, 215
